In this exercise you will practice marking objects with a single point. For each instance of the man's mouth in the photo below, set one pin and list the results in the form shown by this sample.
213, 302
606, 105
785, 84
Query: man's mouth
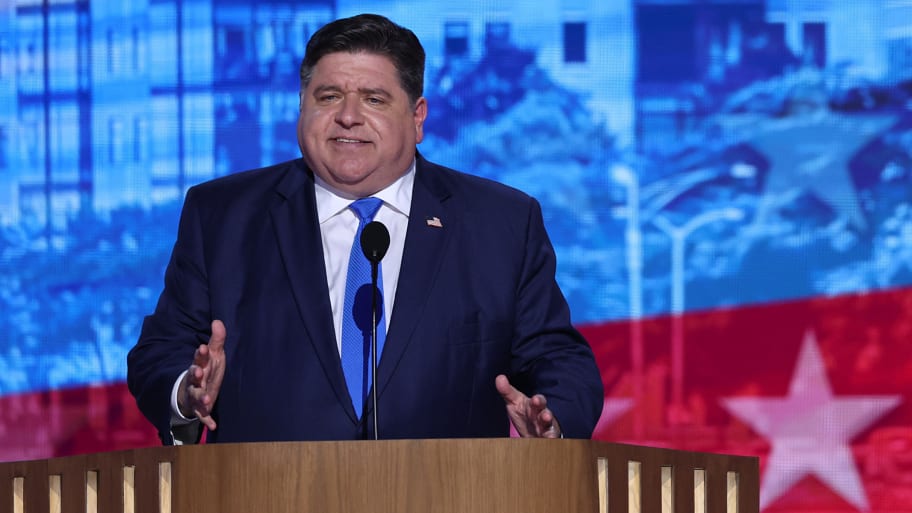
346, 140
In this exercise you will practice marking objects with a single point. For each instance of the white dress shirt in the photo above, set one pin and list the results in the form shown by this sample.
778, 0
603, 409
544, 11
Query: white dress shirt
338, 226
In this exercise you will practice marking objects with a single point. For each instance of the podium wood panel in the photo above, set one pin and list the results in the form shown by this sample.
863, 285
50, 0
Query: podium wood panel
393, 476
496, 475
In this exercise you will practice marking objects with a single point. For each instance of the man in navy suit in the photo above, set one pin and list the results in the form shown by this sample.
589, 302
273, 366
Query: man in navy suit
246, 336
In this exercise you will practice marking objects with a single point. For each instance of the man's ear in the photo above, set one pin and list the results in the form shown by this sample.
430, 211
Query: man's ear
420, 116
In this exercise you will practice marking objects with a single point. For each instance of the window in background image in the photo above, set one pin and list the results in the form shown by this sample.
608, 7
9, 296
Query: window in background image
456, 42
575, 41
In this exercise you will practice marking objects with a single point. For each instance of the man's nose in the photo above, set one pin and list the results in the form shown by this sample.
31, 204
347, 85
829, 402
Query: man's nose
349, 112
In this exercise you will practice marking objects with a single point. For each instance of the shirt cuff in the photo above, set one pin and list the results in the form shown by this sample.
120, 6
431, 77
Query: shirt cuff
184, 430
177, 418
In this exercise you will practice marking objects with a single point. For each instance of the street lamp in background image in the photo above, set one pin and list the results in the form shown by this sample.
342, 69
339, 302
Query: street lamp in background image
633, 237
678, 236
642, 204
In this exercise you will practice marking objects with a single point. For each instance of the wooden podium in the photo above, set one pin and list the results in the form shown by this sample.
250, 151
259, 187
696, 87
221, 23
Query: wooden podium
445, 476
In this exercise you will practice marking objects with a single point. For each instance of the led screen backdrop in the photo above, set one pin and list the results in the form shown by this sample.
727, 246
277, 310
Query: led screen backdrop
728, 186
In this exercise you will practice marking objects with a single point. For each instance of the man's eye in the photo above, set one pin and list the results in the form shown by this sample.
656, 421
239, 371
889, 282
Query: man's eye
327, 97
374, 101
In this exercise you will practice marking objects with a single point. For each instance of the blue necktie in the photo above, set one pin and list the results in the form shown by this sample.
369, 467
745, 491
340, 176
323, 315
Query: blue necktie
356, 314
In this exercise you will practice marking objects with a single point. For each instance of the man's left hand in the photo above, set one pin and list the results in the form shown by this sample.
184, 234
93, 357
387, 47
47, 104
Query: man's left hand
530, 416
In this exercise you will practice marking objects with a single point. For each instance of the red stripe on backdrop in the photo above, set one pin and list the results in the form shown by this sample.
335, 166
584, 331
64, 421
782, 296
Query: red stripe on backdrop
71, 421
820, 389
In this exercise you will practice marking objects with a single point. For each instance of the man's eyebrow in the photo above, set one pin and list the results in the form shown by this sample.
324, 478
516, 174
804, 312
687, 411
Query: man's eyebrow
374, 91
324, 88
366, 91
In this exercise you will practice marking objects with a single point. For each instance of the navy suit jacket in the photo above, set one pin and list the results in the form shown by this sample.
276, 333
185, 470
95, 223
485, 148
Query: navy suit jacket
476, 297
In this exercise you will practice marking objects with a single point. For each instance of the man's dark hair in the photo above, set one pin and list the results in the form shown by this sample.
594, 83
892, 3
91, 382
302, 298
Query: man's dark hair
374, 34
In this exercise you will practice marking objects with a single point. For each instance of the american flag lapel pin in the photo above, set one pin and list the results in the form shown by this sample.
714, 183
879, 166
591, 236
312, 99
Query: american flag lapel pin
434, 221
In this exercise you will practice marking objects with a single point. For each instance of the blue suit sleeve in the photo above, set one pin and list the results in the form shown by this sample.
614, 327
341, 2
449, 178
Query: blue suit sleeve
180, 322
550, 356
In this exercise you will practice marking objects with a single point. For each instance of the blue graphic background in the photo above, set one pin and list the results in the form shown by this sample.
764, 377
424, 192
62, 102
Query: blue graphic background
688, 155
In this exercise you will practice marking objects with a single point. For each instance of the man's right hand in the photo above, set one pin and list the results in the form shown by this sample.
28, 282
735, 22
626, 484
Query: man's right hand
200, 387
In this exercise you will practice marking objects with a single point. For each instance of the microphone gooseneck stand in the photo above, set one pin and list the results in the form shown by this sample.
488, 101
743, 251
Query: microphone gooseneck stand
375, 241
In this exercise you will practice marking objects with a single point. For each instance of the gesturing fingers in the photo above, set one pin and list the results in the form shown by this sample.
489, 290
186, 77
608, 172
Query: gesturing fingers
204, 377
213, 354
530, 416
510, 394
546, 425
217, 340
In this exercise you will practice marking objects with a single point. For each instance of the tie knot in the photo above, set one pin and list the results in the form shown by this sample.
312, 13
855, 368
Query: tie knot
366, 208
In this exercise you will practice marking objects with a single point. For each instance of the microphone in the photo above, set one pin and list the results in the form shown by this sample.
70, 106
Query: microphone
375, 240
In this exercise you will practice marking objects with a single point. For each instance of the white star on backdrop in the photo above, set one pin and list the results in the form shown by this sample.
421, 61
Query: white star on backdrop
811, 154
612, 408
810, 430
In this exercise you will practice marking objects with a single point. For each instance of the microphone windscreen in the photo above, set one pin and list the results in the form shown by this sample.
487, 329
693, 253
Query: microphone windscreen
375, 240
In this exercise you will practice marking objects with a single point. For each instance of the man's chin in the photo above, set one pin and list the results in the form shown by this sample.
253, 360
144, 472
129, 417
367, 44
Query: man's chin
353, 185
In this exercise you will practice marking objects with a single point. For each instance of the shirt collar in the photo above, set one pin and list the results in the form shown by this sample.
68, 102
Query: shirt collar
397, 195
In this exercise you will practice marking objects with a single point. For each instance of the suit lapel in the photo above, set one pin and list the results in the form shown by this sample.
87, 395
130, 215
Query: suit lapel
301, 246
425, 245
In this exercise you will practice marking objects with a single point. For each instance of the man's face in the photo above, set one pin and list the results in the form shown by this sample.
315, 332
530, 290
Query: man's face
357, 130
